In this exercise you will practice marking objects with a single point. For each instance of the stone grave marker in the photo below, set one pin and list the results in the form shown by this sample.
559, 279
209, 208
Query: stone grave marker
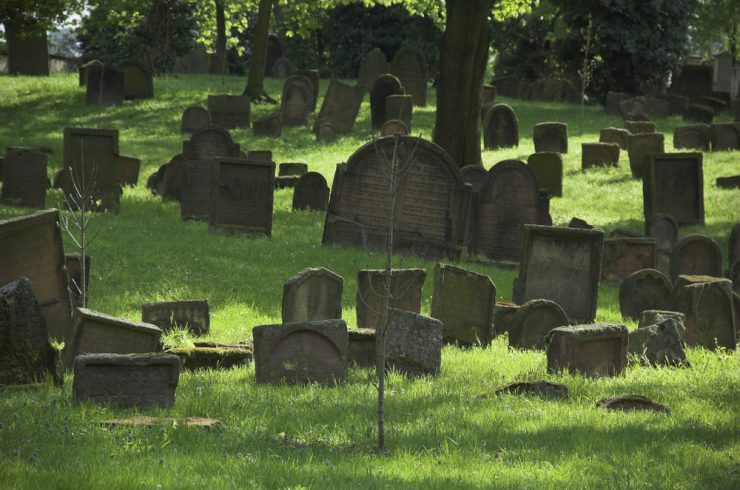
659, 344
297, 100
548, 169
373, 64
171, 180
261, 155
289, 173
664, 229
533, 321
722, 71
693, 81
138, 82
383, 86
362, 347
639, 149
725, 136
474, 175
194, 315
311, 192
653, 317
599, 155
73, 264
229, 111
104, 86
195, 193
406, 285
313, 77
562, 265
615, 135
638, 127
210, 355
394, 126
692, 137
92, 155
623, 256
731, 182
413, 343
613, 101
504, 317
673, 184
141, 381
500, 127
400, 108
677, 104
708, 305
699, 113
301, 352
340, 106
194, 117
648, 106
717, 105
129, 167
313, 294
632, 403
409, 66
282, 68
646, 289
550, 136
594, 350
696, 255
84, 69
487, 95
270, 126
464, 301
24, 177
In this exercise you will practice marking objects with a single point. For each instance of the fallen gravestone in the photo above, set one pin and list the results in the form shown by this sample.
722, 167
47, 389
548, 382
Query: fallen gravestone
313, 294
362, 347
673, 184
725, 136
548, 169
213, 356
659, 344
400, 108
138, 82
698, 113
193, 315
73, 265
551, 137
311, 192
104, 86
195, 190
623, 256
594, 350
194, 117
599, 155
647, 289
24, 177
637, 127
91, 160
615, 135
413, 343
383, 86
696, 255
270, 126
708, 305
229, 111
405, 288
474, 175
544, 389
732, 182
373, 64
313, 77
409, 66
692, 137
290, 173
500, 127
340, 106
394, 126
533, 321
639, 149
297, 100
630, 403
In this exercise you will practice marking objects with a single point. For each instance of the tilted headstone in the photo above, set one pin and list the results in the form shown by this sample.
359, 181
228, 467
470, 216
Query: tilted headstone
400, 107
639, 149
562, 265
550, 136
394, 126
500, 127
548, 169
708, 305
623, 256
659, 344
613, 101
696, 255
599, 155
311, 192
195, 192
406, 285
229, 111
474, 175
615, 135
91, 160
533, 321
725, 136
289, 173
193, 315
297, 100
673, 184
413, 343
313, 77
194, 117
699, 113
104, 86
73, 264
340, 106
242, 195
129, 168
141, 381
138, 82
372, 65
313, 294
383, 86
465, 302
270, 126
32, 247
409, 66
301, 352
24, 177
692, 137
646, 289
677, 104
637, 127
594, 350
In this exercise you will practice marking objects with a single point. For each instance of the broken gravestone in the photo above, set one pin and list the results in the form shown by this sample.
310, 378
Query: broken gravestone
406, 285
544, 389
193, 315
209, 355
313, 294
413, 343
659, 344
708, 305
594, 350
646, 289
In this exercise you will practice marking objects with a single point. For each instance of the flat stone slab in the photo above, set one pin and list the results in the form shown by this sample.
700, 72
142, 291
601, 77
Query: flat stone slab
545, 389
222, 356
630, 403
147, 421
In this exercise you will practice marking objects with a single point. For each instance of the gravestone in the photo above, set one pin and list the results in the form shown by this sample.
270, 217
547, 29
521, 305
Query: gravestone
400, 108
171, 180
340, 106
210, 142
229, 111
487, 95
474, 175
632, 403
260, 155
313, 294
196, 61
282, 68
311, 192
699, 113
653, 317
613, 101
722, 71
647, 289
409, 66
594, 350
372, 65
24, 177
297, 100
301, 352
432, 203
26, 356
725, 136
576, 222
639, 149
270, 126
83, 71
394, 126
91, 156
383, 86
104, 86
194, 117
192, 315
413, 343
718, 105
615, 135
326, 133
32, 247
696, 255
509, 198
599, 155
313, 77
692, 137
548, 169
660, 344
693, 81
289, 173
732, 182
673, 184
500, 127
242, 193
562, 265
362, 347
211, 356
138, 82
405, 290
708, 305
540, 388
195, 191
129, 168
464, 301
677, 104
73, 264
550, 136
504, 317
664, 230
637, 127
141, 381
533, 321
623, 256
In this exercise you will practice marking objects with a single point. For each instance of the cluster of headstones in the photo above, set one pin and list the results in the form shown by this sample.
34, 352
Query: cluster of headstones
112, 84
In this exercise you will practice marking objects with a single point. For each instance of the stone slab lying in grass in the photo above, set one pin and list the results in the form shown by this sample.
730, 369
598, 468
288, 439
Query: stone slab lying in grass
147, 421
594, 350
545, 389
628, 403
221, 357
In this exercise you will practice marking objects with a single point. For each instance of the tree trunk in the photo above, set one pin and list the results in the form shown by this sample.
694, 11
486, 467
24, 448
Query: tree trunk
254, 88
218, 61
462, 63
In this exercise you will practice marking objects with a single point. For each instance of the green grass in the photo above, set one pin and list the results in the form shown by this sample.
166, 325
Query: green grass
440, 432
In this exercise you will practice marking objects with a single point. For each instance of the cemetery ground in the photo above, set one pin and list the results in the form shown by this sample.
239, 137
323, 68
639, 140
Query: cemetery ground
444, 432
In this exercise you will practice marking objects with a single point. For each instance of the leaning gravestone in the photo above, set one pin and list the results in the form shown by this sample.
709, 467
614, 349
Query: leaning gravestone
725, 136
500, 127
340, 106
707, 303
194, 117
296, 101
509, 198
73, 264
137, 81
301, 352
195, 191
24, 177
639, 127
639, 149
270, 126
593, 350
465, 302
659, 344
533, 321
692, 137
26, 356
548, 169
699, 113
91, 159
696, 255
311, 192
409, 66
313, 77
242, 195
167, 315
474, 175
673, 184
104, 86
229, 111
373, 64
550, 136
400, 108
623, 256
405, 291
32, 247
413, 343
383, 86
562, 265
647, 289
313, 294
599, 155
615, 135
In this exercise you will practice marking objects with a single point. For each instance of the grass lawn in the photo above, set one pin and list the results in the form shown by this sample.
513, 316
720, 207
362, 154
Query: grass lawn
441, 432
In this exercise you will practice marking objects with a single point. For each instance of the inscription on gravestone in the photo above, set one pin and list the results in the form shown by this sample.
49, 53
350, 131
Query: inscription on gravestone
24, 177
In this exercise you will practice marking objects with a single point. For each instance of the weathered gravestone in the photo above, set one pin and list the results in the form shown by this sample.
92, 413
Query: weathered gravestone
137, 80
696, 255
26, 45
623, 256
170, 185
24, 177
653, 317
274, 52
722, 72
196, 61
475, 175
91, 160
509, 198
631, 403
533, 321
593, 350
699, 113
297, 99
104, 86
487, 95
659, 344
500, 127
372, 65
383, 86
26, 356
270, 126
693, 81
562, 265
599, 155
400, 108
576, 222
673, 184
301, 352
615, 135
432, 201
242, 195
73, 264
394, 126
362, 347
193, 315
677, 104
313, 77
718, 105
409, 66
646, 289
413, 343
692, 137
193, 118
32, 247
725, 136
195, 191
340, 106
129, 168
465, 302
548, 170
406, 285
229, 111
282, 68
289, 173
707, 303
550, 136
613, 101
664, 230
637, 127
731, 182
311, 192
211, 355
141, 381
639, 149
313, 294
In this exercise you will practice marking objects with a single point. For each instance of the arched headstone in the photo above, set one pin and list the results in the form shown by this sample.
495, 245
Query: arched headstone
707, 303
297, 100
311, 192
533, 321
194, 117
646, 289
696, 255
664, 230
383, 86
209, 142
137, 80
500, 127
394, 126
104, 86
373, 64
409, 66
692, 137
313, 294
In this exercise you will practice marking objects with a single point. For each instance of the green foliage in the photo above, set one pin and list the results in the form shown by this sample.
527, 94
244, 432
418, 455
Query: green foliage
41, 13
716, 23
